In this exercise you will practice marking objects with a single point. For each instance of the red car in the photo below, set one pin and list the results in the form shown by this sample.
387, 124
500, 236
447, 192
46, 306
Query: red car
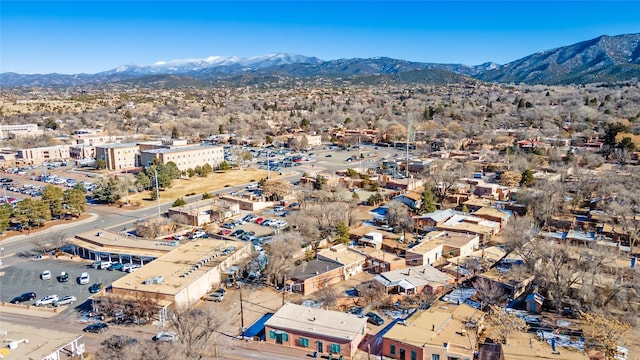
224, 232
259, 220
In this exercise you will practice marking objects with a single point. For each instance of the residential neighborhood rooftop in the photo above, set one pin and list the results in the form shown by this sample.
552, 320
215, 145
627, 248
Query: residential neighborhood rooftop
317, 321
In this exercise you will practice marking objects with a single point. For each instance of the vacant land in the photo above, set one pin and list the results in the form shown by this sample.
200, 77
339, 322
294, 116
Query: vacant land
200, 185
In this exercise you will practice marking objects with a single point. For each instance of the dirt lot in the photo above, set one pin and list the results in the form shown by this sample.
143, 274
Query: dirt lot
198, 185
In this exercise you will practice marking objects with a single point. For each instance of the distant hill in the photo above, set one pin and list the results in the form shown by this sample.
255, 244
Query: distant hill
603, 59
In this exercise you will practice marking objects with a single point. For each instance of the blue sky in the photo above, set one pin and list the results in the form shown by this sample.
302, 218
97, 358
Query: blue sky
92, 36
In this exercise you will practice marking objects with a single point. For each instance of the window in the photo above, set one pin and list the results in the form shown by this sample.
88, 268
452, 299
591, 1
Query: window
285, 336
335, 348
414, 355
435, 357
392, 349
272, 334
304, 342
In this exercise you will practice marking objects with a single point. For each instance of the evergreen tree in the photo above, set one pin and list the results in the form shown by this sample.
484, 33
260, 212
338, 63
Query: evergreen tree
6, 212
342, 233
175, 134
53, 196
75, 200
527, 178
180, 202
428, 201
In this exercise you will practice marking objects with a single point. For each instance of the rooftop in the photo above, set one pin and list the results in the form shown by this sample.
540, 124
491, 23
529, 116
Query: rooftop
179, 267
436, 326
493, 212
181, 149
436, 238
320, 322
418, 276
116, 146
314, 267
342, 254
106, 241
40, 342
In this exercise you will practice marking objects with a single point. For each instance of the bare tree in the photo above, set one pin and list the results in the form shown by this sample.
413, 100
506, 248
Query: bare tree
489, 292
604, 333
502, 324
282, 253
196, 332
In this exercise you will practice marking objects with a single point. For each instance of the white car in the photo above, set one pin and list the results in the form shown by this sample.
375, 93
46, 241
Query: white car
69, 299
47, 300
46, 275
84, 278
133, 268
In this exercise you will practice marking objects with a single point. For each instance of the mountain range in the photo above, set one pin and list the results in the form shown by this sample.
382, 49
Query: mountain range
603, 59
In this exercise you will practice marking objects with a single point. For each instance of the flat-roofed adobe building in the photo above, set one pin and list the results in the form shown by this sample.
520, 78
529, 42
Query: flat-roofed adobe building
353, 262
26, 342
437, 244
415, 280
439, 333
184, 275
187, 157
324, 331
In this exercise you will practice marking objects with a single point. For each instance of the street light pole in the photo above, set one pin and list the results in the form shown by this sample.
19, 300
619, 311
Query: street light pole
157, 193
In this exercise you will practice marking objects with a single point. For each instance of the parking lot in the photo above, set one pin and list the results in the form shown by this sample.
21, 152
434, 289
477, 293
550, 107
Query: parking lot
25, 277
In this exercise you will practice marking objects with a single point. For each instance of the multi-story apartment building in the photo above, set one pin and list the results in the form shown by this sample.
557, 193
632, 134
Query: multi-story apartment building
187, 157
19, 130
119, 156
39, 155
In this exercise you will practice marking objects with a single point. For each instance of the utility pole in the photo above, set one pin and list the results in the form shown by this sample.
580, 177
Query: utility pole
409, 124
284, 288
155, 170
241, 314
268, 167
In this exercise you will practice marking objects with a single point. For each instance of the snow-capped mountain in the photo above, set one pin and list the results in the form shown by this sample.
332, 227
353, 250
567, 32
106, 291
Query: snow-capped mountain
231, 64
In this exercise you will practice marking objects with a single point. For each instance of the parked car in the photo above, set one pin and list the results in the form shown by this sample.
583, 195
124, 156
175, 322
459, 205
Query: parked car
115, 266
63, 277
374, 318
165, 336
198, 235
215, 296
69, 299
45, 275
95, 288
224, 232
132, 268
47, 300
28, 296
237, 232
355, 310
97, 328
84, 278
